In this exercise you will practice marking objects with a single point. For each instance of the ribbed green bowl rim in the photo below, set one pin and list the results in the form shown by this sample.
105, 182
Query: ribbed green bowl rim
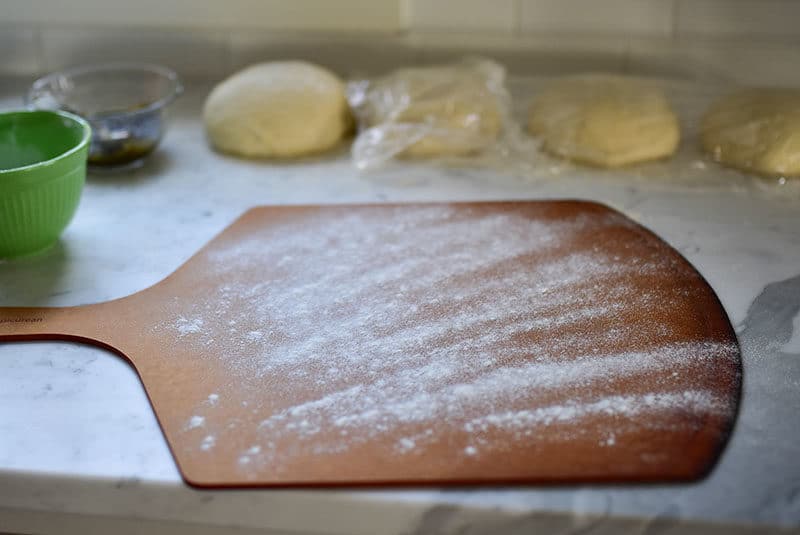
82, 144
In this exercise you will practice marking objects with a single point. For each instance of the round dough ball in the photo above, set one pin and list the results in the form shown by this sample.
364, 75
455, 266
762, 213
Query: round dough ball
279, 109
755, 130
605, 121
442, 110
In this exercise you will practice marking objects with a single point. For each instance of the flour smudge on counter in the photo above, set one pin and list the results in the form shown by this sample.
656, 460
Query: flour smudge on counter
392, 327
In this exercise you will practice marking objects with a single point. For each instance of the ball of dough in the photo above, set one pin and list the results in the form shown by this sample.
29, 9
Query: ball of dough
279, 109
755, 130
444, 110
605, 121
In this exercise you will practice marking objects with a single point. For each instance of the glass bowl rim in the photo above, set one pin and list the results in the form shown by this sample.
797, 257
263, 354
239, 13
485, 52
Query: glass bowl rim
176, 88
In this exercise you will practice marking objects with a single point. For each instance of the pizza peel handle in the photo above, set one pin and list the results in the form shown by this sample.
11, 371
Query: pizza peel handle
94, 324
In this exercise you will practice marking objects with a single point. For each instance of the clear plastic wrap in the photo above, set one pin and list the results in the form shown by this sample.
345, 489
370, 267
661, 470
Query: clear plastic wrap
454, 111
386, 132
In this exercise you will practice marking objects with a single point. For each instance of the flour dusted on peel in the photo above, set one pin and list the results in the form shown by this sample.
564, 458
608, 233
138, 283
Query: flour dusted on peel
186, 326
402, 324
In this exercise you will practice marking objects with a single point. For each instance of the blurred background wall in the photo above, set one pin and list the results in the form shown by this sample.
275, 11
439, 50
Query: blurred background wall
749, 41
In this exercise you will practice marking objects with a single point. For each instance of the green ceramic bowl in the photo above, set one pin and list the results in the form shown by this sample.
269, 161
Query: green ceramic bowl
42, 171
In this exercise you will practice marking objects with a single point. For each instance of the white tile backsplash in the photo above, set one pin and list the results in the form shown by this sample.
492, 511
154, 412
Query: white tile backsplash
652, 17
117, 13
346, 55
189, 52
462, 15
529, 55
354, 56
19, 50
661, 58
351, 15
338, 15
740, 61
657, 18
756, 40
768, 19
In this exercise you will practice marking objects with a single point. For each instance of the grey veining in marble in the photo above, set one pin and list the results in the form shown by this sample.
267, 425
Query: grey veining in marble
77, 435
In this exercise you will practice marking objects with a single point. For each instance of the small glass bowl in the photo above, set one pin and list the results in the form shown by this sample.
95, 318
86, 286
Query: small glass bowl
125, 104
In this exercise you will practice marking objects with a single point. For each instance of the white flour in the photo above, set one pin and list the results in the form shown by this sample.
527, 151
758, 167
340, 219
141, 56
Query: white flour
208, 442
195, 421
185, 326
425, 319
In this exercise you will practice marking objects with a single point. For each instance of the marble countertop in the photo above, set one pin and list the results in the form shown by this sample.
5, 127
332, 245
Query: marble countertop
80, 448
